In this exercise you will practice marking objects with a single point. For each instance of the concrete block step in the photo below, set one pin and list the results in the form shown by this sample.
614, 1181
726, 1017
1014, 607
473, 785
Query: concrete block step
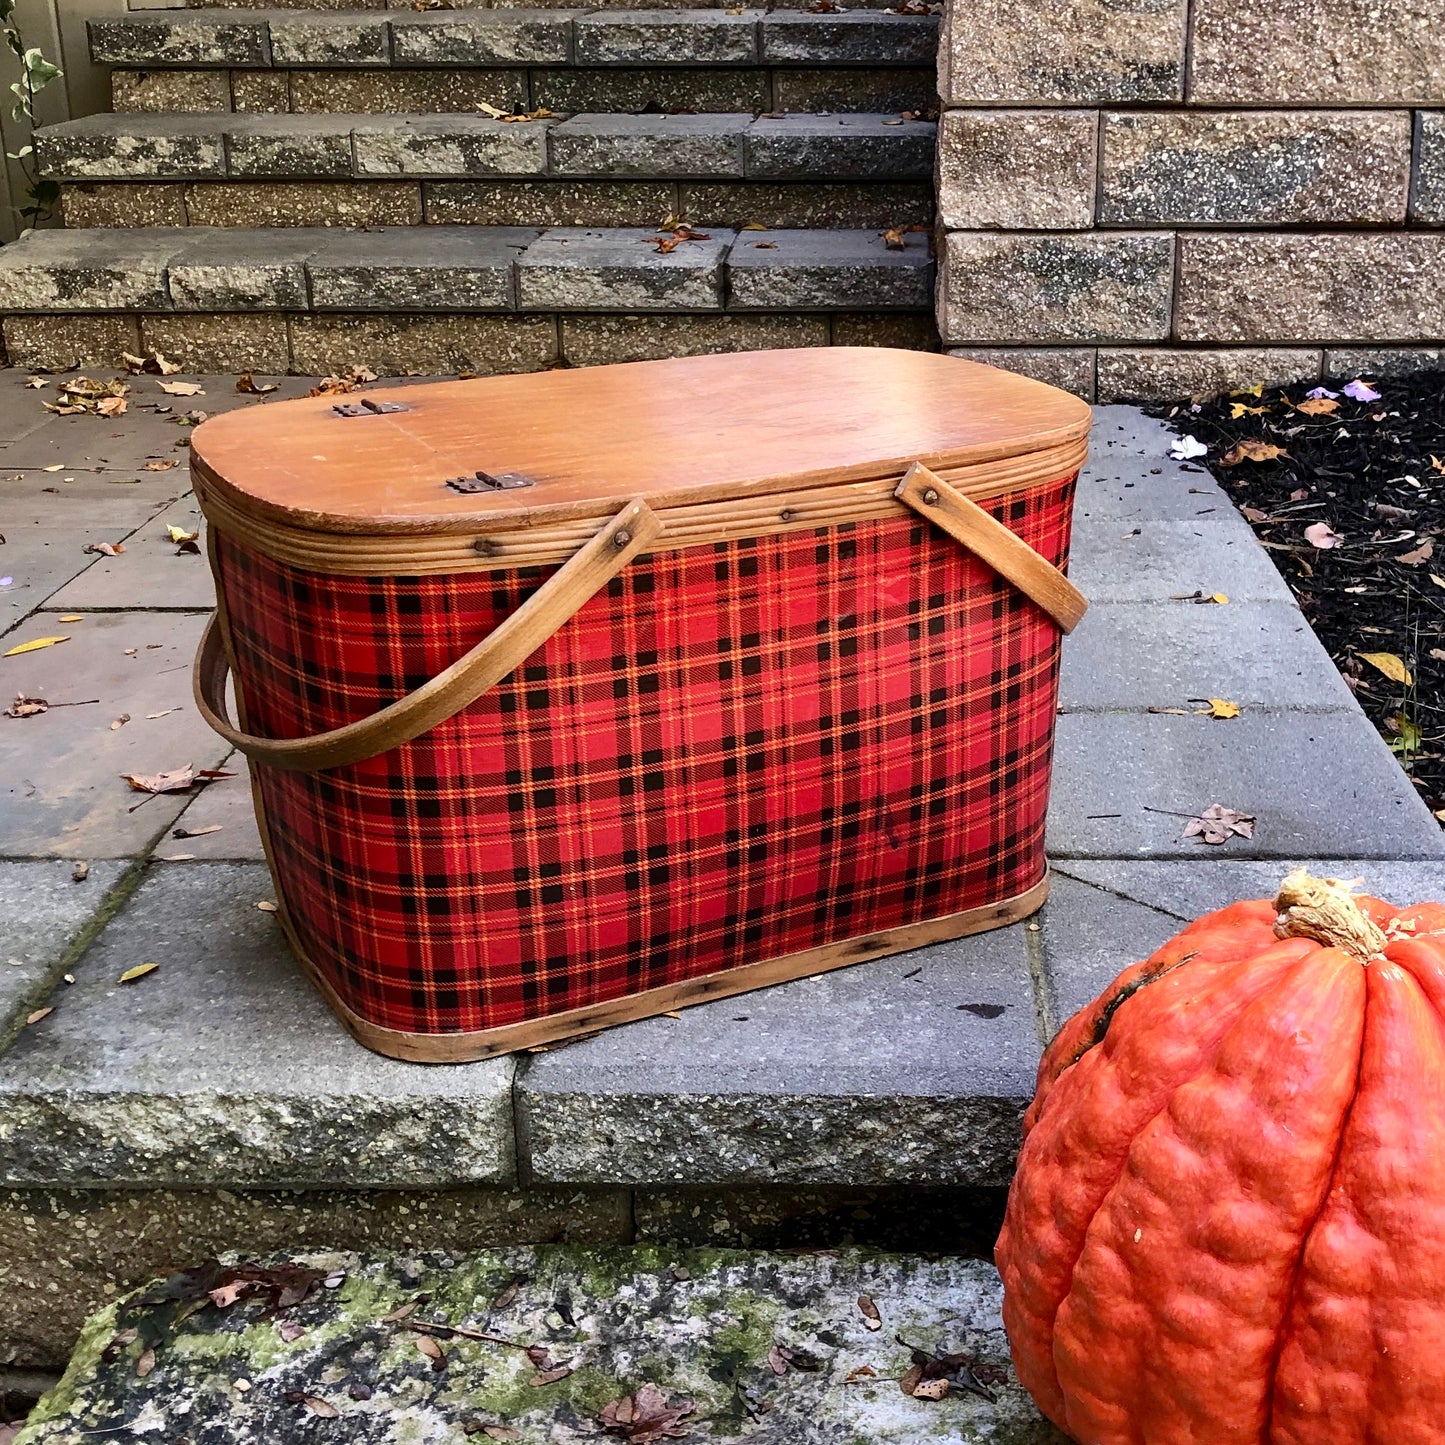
729, 146
453, 269
710, 1333
240, 38
566, 89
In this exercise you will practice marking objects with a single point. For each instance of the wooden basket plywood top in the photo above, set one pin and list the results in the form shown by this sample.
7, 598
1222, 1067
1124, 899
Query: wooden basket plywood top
679, 433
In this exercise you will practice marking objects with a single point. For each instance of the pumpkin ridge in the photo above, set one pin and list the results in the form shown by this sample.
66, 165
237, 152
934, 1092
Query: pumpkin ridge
1225, 991
1287, 1317
1102, 1340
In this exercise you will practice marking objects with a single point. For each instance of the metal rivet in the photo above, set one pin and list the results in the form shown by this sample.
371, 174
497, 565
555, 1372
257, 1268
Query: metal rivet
621, 537
930, 498
786, 515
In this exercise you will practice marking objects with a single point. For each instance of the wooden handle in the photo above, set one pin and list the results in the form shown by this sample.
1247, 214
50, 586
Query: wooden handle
991, 542
499, 653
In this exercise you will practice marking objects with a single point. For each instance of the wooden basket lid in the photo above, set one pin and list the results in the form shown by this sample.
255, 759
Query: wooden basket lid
567, 444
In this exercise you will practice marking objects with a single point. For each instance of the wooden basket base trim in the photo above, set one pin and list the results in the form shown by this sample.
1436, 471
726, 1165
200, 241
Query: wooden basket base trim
488, 1043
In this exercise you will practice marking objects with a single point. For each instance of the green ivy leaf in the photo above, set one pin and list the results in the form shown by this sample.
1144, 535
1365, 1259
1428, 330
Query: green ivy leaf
21, 153
13, 40
7, 9
40, 71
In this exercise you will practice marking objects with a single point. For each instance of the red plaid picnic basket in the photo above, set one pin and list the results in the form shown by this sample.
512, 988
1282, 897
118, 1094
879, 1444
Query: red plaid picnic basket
580, 696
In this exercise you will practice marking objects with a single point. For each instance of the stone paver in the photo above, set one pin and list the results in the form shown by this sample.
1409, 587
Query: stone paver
699, 1325
224, 1067
840, 147
828, 270
225, 806
43, 906
649, 146
580, 270
913, 1069
668, 37
854, 37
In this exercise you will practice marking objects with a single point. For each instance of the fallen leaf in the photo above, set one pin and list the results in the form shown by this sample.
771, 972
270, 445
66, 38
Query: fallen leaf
1239, 409
1408, 735
39, 1014
1187, 448
1256, 390
433, 1351
1392, 666
181, 388
1323, 536
501, 1432
647, 1416
1222, 708
911, 1378
314, 1403
758, 226
1252, 449
27, 706
931, 1390
226, 1295
1217, 824
549, 1377
153, 362
291, 1331
34, 645
895, 240
107, 549
164, 712
196, 832
1318, 406
860, 1373
72, 617
506, 1295
869, 1310
34, 383
145, 1362
110, 406
139, 971
159, 466
80, 872
248, 384
1420, 554
179, 534
56, 467
266, 906
117, 723
175, 781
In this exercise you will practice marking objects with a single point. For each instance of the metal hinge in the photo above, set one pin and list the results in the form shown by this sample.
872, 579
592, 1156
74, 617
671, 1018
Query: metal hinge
491, 482
367, 407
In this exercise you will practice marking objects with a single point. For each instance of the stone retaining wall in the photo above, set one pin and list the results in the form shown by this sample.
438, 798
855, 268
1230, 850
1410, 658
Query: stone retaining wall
1148, 197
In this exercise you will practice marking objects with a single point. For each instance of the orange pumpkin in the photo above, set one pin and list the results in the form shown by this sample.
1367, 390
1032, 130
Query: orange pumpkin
1228, 1221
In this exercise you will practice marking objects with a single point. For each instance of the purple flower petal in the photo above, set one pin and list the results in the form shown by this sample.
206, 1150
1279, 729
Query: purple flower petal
1322, 392
1361, 391
6, 581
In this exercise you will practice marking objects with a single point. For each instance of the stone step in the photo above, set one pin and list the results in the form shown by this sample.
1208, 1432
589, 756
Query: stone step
460, 269
610, 147
569, 89
768, 1348
851, 205
486, 37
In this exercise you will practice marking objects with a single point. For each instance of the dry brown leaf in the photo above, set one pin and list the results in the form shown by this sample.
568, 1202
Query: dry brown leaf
1323, 536
111, 406
315, 1404
27, 706
80, 872
1422, 553
895, 240
1318, 406
266, 906
549, 1377
159, 466
1239, 409
860, 1373
433, 1351
34, 383
107, 549
1217, 824
911, 1378
1252, 450
39, 1014
117, 723
501, 1432
175, 781
931, 1390
647, 1416
869, 1310
196, 832
181, 388
153, 362
248, 384
145, 1362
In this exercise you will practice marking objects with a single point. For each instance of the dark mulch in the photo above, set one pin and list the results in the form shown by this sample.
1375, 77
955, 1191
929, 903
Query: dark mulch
1374, 473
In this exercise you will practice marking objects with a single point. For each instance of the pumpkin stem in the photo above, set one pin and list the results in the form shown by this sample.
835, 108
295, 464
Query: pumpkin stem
1324, 909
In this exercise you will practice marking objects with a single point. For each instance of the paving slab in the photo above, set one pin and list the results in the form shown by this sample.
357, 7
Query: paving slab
571, 269
329, 39
1316, 782
698, 1325
224, 1068
840, 147
1103, 916
114, 146
431, 268
650, 146
449, 146
42, 908
244, 269
668, 37
1131, 477
910, 1069
1158, 561
218, 37
100, 270
61, 793
1132, 656
289, 146
103, 1243
37, 561
113, 500
482, 37
225, 806
849, 37
830, 270
152, 574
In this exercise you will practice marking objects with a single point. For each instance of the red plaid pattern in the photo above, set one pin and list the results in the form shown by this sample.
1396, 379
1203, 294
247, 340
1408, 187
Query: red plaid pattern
733, 753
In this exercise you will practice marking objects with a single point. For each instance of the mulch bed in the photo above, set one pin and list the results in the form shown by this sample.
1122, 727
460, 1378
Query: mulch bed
1352, 510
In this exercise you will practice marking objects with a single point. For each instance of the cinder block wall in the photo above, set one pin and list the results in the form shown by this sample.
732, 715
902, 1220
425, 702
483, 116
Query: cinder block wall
1159, 197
